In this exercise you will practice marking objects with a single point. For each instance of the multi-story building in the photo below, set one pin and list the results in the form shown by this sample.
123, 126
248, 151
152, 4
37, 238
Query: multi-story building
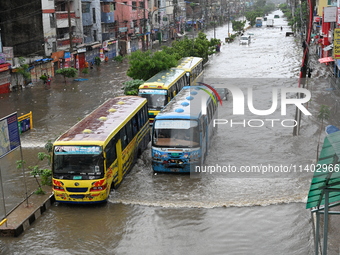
72, 32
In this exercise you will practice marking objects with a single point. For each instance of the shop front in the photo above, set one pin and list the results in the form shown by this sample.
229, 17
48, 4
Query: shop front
5, 78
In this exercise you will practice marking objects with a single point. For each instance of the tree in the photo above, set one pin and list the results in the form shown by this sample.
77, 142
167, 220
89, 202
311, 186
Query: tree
324, 114
131, 87
23, 70
45, 174
67, 72
198, 47
238, 26
144, 65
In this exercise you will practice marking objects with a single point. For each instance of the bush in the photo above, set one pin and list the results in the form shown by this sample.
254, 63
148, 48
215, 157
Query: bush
118, 59
131, 87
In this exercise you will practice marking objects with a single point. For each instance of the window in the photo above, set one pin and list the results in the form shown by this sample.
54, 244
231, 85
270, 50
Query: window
95, 35
134, 6
123, 138
111, 153
85, 7
52, 20
142, 5
94, 15
129, 132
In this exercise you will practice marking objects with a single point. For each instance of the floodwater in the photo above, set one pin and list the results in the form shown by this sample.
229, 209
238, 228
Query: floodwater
212, 213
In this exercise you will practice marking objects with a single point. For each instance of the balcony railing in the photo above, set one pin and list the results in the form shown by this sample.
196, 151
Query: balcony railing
64, 15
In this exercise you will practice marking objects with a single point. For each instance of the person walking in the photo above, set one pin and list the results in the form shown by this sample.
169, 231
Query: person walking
48, 80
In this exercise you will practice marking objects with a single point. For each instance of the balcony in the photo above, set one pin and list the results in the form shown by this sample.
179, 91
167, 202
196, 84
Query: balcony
65, 41
107, 17
62, 19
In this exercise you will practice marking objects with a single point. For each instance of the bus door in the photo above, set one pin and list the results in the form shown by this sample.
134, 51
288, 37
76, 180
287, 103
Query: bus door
120, 160
188, 79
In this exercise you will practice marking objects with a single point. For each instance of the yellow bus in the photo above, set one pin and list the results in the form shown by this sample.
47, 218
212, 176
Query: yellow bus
193, 67
161, 88
93, 156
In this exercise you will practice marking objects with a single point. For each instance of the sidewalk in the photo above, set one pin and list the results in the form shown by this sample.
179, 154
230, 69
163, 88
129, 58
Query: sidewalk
25, 214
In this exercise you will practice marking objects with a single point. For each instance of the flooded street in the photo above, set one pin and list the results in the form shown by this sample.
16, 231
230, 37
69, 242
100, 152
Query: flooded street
211, 213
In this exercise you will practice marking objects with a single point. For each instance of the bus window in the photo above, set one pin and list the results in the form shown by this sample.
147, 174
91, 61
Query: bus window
134, 122
128, 129
111, 153
123, 138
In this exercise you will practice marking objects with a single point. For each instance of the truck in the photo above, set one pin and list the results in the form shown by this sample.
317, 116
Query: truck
258, 21
270, 22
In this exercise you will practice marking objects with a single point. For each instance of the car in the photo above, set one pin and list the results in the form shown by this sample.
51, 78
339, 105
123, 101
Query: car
223, 92
245, 39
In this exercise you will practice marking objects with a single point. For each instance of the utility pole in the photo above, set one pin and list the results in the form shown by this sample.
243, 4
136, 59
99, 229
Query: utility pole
305, 60
144, 27
69, 25
174, 17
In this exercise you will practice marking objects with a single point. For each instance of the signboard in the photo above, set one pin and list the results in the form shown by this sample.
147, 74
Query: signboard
9, 134
175, 124
336, 43
153, 91
67, 56
2, 58
58, 150
330, 14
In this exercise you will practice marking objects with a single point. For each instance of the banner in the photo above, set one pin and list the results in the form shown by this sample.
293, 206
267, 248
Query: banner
336, 43
9, 134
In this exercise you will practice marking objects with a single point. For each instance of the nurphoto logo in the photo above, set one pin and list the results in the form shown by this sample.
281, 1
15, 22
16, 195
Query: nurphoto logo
239, 106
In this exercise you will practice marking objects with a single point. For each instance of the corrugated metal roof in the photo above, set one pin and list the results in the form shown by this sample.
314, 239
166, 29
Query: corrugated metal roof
327, 173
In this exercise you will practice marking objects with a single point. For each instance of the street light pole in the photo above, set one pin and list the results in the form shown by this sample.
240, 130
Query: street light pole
144, 29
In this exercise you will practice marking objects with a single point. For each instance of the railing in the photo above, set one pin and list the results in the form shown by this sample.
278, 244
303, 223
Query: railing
25, 122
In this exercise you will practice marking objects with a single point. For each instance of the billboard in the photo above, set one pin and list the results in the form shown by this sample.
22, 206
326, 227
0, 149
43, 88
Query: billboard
9, 134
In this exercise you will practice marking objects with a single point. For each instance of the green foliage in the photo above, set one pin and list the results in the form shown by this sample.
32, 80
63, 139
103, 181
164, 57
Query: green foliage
144, 65
97, 61
251, 16
324, 114
23, 70
259, 9
85, 71
131, 87
238, 26
118, 59
69, 72
43, 78
45, 174
198, 47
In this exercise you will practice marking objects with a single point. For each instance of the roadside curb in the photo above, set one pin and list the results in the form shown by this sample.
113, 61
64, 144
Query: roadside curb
25, 214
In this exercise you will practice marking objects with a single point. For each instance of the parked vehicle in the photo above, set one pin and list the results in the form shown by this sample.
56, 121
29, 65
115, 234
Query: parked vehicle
245, 39
270, 22
258, 21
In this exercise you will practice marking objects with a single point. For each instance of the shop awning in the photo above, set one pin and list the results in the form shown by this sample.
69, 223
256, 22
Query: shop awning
96, 46
326, 173
326, 60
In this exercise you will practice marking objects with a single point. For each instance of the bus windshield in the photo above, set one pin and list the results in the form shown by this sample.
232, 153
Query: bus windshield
78, 160
176, 133
157, 98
